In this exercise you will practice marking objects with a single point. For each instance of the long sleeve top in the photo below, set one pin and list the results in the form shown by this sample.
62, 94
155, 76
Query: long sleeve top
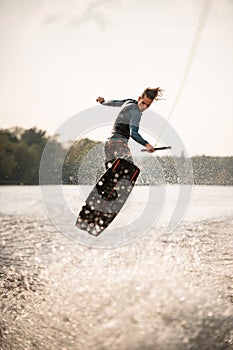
127, 122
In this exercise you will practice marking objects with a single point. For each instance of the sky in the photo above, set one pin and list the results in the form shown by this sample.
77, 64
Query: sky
57, 56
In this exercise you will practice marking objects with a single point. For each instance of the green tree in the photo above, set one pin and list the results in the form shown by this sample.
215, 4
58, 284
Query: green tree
7, 159
20, 155
26, 171
34, 136
52, 163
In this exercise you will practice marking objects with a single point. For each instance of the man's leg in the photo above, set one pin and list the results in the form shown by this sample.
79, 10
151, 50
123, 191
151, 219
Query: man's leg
109, 153
123, 151
116, 149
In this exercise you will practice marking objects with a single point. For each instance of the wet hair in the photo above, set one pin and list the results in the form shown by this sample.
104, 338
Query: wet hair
153, 94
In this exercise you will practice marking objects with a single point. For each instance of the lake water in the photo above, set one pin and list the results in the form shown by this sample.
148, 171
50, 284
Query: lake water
206, 202
166, 290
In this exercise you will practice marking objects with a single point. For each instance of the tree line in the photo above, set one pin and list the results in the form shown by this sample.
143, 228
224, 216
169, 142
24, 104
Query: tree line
82, 162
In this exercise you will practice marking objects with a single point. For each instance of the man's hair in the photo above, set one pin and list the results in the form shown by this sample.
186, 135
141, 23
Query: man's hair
153, 94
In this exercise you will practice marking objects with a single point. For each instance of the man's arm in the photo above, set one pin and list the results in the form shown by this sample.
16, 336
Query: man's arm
112, 103
136, 136
134, 127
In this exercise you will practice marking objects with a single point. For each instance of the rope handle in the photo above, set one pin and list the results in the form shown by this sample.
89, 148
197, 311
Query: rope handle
156, 148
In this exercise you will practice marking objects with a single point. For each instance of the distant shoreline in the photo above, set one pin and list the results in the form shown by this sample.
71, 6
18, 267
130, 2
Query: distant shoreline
23, 161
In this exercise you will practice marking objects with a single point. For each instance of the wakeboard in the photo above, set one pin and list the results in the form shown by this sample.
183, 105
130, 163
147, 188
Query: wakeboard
107, 197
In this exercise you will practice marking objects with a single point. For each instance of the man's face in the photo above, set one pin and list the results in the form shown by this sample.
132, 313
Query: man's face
144, 103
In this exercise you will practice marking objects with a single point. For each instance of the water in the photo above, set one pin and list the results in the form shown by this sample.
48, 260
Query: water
164, 291
207, 202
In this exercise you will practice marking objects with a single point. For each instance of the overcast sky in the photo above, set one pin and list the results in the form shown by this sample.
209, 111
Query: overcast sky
57, 56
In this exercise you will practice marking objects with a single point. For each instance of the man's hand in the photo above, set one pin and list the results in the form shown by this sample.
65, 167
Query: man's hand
150, 148
100, 100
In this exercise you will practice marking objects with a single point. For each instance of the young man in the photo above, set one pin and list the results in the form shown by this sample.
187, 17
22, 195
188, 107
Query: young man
127, 125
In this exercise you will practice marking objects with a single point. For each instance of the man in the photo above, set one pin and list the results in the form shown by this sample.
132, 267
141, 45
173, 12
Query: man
127, 125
